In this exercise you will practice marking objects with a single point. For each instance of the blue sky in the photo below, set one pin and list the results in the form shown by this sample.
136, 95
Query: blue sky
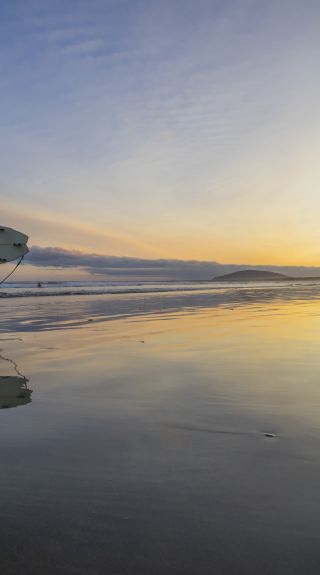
154, 129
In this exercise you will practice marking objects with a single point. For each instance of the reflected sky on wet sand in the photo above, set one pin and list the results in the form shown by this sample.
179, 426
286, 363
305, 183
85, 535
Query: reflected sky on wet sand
143, 450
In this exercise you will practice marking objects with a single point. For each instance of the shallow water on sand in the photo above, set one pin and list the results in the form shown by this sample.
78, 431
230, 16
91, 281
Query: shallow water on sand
140, 448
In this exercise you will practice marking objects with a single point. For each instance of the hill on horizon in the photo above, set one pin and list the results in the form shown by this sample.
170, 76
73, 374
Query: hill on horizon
252, 275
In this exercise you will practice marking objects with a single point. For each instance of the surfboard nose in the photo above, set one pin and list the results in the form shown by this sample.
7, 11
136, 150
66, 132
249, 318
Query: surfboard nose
13, 244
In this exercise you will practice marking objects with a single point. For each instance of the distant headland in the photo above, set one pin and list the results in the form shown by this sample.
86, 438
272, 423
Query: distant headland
252, 276
260, 276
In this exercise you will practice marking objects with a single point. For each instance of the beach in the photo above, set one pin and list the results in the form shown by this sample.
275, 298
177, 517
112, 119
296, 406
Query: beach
162, 432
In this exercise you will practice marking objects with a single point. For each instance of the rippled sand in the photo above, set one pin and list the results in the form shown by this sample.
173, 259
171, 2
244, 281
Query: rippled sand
161, 435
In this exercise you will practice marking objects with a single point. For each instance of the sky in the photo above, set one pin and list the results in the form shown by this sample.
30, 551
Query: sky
157, 129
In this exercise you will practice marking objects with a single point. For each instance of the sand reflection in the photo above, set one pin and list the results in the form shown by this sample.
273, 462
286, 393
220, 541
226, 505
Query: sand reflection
14, 391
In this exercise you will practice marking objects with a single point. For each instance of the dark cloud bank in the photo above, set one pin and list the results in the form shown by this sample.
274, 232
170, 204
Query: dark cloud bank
137, 268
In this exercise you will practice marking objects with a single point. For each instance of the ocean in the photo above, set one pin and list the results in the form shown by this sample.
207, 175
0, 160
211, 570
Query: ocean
56, 288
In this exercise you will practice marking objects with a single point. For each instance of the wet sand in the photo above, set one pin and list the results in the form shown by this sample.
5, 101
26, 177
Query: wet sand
161, 436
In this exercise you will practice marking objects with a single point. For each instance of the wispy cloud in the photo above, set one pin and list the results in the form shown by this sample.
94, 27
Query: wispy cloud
86, 47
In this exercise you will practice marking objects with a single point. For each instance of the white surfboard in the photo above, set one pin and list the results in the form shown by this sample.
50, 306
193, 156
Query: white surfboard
13, 244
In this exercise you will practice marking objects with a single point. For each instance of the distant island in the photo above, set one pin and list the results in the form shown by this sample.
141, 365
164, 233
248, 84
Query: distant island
252, 276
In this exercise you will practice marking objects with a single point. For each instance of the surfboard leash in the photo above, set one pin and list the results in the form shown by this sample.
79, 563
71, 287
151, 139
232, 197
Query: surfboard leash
12, 271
